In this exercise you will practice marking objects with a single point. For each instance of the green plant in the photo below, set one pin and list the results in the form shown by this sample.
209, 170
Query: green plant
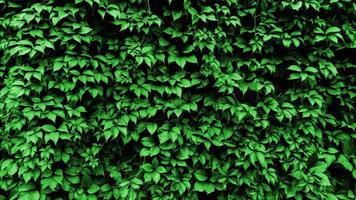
177, 99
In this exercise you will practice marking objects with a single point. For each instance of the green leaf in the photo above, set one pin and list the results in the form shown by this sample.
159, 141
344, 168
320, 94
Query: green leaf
255, 86
294, 68
57, 66
297, 5
163, 137
93, 189
324, 180
183, 154
261, 159
33, 195
151, 127
201, 187
26, 187
345, 162
200, 175
311, 69
163, 42
333, 29
85, 30
180, 61
156, 177
17, 91
48, 128
52, 116
54, 136
176, 14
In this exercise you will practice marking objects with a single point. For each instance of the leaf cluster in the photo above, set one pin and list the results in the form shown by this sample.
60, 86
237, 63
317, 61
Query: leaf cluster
177, 99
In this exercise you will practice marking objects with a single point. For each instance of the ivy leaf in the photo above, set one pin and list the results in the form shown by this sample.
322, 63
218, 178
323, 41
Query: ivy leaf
151, 127
191, 59
200, 175
54, 136
57, 66
345, 162
180, 61
261, 159
294, 68
85, 30
333, 29
52, 116
93, 189
163, 137
202, 186
183, 154
48, 128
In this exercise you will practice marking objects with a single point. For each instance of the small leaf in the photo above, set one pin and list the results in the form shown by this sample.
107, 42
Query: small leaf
311, 69
93, 188
192, 59
180, 61
294, 68
48, 128
200, 175
57, 66
345, 162
152, 127
333, 29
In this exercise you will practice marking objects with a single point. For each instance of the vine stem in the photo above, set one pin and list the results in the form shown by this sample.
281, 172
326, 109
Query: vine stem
255, 17
148, 5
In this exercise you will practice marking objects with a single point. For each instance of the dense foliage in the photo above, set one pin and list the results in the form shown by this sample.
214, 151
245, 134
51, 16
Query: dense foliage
177, 99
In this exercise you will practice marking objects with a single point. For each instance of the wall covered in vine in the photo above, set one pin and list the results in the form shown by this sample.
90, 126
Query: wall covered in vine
177, 99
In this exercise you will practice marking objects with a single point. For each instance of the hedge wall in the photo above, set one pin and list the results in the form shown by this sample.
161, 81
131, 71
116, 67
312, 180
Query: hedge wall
177, 99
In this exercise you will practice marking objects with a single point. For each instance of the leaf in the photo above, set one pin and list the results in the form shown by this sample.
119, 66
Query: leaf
333, 29
294, 68
211, 17
287, 42
33, 195
48, 128
12, 169
200, 175
180, 61
163, 137
345, 162
192, 59
57, 66
147, 167
65, 157
332, 150
27, 187
163, 42
319, 167
324, 180
156, 177
311, 69
255, 86
105, 187
17, 91
147, 141
331, 196
54, 136
176, 15
297, 6
183, 154
93, 189
261, 159
151, 127
52, 116
85, 30
227, 133
201, 187
161, 170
